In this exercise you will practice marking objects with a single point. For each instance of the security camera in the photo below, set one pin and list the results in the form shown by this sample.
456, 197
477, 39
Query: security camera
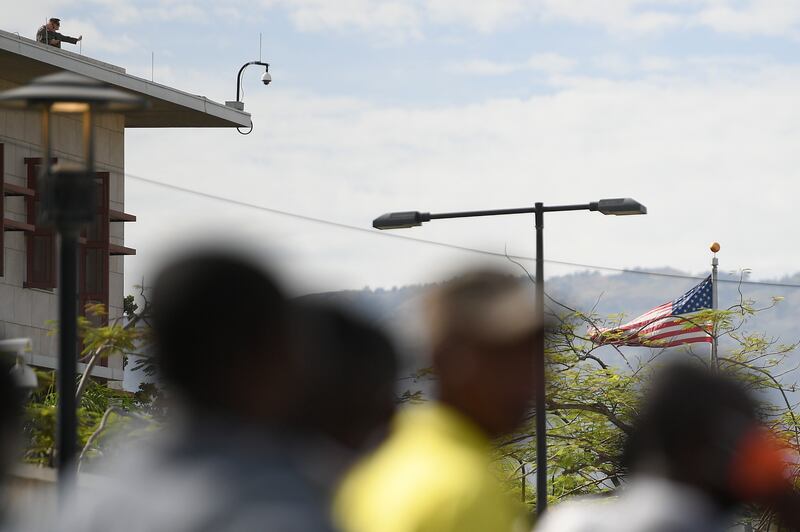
24, 376
266, 78
15, 346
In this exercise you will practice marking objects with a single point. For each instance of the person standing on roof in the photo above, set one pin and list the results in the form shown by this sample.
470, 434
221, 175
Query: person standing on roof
48, 34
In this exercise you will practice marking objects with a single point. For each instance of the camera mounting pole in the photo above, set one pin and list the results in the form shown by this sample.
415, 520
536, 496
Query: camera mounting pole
238, 104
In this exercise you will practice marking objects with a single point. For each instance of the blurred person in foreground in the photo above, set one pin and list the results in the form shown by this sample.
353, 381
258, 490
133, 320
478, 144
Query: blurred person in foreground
11, 406
433, 472
351, 373
696, 454
230, 459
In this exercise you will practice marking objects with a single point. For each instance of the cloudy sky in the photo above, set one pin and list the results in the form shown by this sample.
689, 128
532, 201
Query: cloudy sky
689, 106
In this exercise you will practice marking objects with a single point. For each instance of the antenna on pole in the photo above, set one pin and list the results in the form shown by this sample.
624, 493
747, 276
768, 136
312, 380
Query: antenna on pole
259, 46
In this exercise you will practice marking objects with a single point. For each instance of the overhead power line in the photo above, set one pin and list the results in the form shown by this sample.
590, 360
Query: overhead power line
340, 225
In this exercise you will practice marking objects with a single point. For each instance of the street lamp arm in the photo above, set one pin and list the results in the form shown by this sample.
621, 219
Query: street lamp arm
593, 206
471, 214
406, 219
239, 76
581, 207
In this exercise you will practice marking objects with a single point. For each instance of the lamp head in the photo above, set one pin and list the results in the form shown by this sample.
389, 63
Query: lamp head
618, 207
70, 92
401, 220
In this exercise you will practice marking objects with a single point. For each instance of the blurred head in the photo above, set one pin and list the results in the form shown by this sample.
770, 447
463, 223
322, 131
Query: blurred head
352, 370
483, 327
220, 325
692, 428
54, 23
11, 402
12, 399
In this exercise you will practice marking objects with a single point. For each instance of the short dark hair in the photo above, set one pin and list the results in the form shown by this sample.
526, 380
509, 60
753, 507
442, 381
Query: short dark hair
12, 400
351, 368
215, 314
689, 415
55, 20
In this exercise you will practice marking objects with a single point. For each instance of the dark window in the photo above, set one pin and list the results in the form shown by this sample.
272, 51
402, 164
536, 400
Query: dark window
94, 254
2, 208
41, 243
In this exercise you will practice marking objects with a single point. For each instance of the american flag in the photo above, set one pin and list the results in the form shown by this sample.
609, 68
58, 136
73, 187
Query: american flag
667, 325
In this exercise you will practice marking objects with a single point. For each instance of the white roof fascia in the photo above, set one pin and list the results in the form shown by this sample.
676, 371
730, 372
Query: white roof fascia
116, 76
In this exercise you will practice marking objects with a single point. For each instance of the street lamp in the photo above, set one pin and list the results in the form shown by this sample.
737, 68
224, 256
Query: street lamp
615, 207
68, 203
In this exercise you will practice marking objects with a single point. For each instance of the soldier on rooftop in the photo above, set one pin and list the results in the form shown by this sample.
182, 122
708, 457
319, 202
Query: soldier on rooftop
48, 34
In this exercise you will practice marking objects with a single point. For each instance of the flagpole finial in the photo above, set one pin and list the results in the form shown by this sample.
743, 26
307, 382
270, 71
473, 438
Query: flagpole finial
714, 247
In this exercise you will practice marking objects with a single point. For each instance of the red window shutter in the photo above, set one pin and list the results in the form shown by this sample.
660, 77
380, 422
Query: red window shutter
94, 254
2, 208
40, 246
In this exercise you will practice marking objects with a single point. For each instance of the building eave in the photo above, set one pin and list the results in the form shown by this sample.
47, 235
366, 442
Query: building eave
23, 59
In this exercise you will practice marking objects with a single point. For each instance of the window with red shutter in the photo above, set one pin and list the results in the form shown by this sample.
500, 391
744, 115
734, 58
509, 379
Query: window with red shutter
41, 243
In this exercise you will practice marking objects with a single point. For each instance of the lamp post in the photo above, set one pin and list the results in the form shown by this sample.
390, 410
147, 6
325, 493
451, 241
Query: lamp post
67, 198
616, 206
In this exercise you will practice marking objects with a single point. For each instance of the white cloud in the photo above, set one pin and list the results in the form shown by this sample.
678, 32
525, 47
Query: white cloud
94, 39
617, 16
486, 17
549, 63
404, 20
392, 19
411, 18
698, 153
761, 17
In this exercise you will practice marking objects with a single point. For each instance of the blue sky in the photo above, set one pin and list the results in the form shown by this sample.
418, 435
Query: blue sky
378, 105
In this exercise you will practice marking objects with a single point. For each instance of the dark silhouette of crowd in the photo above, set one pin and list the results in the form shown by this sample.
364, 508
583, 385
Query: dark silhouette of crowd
283, 416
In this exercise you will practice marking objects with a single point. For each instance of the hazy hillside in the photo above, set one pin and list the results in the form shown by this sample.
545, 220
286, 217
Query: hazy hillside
631, 293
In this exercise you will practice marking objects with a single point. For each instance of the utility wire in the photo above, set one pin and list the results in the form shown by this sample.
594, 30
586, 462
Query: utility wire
349, 227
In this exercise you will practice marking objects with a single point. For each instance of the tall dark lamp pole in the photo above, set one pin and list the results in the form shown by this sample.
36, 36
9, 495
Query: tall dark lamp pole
617, 206
67, 199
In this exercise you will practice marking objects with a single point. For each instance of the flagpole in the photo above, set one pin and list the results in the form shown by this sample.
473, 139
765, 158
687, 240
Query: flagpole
714, 305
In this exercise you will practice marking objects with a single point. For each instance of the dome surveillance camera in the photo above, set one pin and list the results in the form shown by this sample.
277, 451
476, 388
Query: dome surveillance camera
24, 376
266, 78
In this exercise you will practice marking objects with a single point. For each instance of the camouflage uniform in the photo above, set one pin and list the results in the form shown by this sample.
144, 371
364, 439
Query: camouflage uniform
44, 36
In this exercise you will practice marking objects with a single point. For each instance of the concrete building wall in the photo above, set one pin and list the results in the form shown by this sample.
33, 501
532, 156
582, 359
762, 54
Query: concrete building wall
25, 312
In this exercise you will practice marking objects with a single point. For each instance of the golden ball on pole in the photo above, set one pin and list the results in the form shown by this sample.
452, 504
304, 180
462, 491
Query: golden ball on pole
715, 247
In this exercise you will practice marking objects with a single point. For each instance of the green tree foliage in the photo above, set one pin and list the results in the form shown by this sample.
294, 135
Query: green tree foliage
103, 413
593, 394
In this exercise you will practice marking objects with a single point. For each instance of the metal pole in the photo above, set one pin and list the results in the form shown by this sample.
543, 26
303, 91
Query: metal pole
714, 306
541, 414
67, 360
69, 231
66, 431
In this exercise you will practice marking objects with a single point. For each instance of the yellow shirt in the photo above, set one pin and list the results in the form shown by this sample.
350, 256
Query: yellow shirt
431, 475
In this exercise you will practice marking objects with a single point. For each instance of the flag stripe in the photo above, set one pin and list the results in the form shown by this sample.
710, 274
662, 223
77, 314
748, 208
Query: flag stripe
692, 340
666, 325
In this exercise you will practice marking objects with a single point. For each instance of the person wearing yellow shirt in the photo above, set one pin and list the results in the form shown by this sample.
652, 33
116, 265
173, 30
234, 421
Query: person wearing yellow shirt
433, 473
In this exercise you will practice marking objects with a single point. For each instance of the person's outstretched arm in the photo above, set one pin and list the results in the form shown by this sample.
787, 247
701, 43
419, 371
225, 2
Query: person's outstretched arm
67, 38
